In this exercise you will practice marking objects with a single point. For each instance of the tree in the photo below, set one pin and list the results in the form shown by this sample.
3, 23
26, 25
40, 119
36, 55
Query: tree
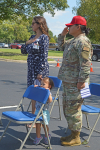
68, 36
56, 39
29, 8
11, 31
90, 9
52, 40
50, 34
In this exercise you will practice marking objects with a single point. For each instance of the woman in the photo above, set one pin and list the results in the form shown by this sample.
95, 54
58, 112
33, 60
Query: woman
37, 49
74, 73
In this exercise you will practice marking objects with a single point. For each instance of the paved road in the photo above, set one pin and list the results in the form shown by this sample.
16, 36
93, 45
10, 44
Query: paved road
13, 85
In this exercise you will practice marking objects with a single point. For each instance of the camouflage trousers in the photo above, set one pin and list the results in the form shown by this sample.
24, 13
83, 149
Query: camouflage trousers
72, 102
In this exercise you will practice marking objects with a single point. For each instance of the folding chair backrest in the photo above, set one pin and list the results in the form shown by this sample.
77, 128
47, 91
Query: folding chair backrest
37, 93
95, 89
57, 82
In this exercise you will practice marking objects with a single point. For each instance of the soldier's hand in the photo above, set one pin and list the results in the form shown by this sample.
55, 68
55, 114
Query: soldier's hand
80, 85
65, 31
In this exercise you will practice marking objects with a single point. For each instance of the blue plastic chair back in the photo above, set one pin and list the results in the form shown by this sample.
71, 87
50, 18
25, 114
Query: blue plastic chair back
37, 93
95, 89
57, 82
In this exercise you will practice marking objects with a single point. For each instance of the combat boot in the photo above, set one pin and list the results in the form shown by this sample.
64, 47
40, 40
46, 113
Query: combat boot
65, 138
73, 140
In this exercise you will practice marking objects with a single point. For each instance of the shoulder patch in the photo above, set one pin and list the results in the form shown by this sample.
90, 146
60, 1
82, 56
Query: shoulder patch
86, 48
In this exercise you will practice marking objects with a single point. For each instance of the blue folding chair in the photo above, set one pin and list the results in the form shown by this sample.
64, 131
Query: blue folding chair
90, 110
24, 117
57, 85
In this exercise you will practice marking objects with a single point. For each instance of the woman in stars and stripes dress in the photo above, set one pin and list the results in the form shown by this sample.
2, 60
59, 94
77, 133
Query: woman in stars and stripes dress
37, 49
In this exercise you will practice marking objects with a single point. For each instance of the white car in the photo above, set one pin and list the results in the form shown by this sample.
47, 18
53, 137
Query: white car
3, 45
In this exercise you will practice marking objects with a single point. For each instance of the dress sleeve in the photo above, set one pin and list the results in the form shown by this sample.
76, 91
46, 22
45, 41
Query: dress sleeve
23, 49
43, 53
28, 49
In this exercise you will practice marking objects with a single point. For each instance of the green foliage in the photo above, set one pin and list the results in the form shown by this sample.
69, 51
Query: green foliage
90, 9
50, 34
28, 8
11, 31
56, 39
52, 40
68, 36
18, 31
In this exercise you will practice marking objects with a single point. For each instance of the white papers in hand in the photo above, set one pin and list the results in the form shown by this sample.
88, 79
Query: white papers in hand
85, 92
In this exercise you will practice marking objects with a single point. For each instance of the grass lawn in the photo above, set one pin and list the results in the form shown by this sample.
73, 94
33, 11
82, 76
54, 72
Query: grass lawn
15, 54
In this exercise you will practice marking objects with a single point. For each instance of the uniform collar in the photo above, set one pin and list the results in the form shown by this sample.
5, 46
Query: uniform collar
83, 34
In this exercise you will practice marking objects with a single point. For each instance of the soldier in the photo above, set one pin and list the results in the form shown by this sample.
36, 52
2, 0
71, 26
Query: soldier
74, 73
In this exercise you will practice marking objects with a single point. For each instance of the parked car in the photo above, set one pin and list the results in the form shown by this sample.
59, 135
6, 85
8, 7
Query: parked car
53, 46
15, 45
3, 45
96, 52
9, 45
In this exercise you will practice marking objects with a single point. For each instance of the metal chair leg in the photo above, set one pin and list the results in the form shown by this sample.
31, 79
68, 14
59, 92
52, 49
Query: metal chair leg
59, 109
5, 130
1, 122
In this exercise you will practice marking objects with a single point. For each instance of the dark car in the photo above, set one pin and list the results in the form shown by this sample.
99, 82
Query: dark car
15, 45
96, 52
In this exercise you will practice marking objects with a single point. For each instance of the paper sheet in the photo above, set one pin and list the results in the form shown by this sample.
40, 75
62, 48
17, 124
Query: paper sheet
85, 92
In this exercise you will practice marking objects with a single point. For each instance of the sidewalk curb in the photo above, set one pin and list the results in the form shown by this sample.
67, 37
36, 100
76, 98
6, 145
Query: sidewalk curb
22, 61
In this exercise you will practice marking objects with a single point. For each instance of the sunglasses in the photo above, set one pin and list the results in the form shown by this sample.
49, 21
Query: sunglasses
34, 23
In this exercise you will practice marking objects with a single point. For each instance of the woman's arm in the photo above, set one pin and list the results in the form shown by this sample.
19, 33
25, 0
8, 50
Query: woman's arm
23, 49
30, 49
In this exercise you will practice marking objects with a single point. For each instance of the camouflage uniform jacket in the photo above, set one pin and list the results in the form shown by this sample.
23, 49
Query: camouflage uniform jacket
76, 59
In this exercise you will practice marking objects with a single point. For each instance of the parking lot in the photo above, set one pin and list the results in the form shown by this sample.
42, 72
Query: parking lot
12, 87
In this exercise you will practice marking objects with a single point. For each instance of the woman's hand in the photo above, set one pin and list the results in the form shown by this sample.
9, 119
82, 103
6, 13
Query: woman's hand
65, 31
80, 85
31, 41
39, 77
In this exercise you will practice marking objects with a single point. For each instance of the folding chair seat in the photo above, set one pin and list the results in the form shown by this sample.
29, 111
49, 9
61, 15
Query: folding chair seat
90, 110
24, 117
57, 85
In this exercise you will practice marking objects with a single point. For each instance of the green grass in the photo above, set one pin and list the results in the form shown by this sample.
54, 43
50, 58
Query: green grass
55, 53
15, 54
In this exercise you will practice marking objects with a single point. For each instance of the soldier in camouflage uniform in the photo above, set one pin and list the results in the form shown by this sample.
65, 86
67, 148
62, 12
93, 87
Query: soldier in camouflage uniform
74, 73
